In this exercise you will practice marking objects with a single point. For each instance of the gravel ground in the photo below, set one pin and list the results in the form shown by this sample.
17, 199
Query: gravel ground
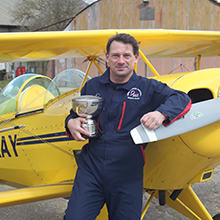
208, 192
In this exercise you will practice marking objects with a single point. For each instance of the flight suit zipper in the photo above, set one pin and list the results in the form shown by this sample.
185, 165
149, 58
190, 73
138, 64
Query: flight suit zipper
106, 139
110, 109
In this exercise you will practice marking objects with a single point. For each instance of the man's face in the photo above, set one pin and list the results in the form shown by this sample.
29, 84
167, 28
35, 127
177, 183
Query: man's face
121, 61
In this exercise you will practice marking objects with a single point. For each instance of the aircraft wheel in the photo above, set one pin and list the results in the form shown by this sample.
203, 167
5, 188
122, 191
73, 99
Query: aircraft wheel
216, 217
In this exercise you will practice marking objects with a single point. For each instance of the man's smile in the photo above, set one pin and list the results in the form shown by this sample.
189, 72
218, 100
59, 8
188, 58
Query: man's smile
121, 67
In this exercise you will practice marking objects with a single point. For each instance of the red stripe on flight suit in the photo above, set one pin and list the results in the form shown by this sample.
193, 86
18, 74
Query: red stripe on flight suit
181, 114
122, 116
143, 153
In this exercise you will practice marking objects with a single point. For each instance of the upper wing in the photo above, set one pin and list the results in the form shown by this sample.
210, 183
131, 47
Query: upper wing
30, 46
37, 193
200, 115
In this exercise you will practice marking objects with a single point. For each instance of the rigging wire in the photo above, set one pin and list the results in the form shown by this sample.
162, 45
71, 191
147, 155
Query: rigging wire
181, 66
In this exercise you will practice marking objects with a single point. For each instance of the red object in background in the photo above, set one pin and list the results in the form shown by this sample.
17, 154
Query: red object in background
23, 71
18, 71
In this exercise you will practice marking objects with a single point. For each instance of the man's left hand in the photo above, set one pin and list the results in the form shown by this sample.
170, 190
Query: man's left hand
153, 120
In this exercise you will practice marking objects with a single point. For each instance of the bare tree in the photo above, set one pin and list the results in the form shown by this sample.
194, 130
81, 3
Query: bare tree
47, 15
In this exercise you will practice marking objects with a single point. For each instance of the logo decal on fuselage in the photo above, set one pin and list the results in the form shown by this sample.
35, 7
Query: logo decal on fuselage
134, 93
195, 115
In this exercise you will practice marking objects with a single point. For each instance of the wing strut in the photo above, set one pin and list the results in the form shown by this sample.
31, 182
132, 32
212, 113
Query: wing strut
148, 63
147, 205
198, 62
92, 60
187, 204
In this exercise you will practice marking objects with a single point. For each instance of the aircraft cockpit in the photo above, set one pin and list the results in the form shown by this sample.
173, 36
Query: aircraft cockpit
19, 91
30, 92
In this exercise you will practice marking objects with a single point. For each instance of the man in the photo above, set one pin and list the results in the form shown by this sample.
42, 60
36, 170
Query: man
110, 168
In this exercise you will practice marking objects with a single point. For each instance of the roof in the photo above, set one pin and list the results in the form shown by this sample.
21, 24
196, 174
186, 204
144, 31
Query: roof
5, 7
90, 1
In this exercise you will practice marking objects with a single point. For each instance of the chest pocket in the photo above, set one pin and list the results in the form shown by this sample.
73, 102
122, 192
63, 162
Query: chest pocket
122, 116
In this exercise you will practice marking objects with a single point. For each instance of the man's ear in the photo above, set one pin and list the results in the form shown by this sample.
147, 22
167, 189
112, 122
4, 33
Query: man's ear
106, 57
136, 58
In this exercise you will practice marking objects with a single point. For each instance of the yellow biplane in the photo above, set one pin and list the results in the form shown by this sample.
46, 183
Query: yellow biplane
39, 159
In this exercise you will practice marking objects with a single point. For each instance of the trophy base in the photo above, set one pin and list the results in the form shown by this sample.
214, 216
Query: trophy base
93, 136
91, 127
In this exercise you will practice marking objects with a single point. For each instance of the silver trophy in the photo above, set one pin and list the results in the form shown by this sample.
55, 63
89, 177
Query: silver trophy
92, 106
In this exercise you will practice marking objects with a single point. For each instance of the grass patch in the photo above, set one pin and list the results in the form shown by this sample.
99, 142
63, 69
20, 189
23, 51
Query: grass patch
3, 83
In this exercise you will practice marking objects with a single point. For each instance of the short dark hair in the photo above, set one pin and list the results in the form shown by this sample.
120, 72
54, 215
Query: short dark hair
126, 39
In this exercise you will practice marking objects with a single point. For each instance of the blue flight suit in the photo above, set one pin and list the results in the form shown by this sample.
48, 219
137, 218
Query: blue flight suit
110, 168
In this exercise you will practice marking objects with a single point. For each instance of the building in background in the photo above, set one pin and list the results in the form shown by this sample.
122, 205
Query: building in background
6, 22
126, 14
9, 24
152, 14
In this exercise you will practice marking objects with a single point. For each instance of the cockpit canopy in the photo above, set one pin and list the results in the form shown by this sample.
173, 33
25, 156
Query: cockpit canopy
30, 92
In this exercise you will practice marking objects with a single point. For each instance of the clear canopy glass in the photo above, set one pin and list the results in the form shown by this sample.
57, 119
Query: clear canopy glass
30, 92
69, 79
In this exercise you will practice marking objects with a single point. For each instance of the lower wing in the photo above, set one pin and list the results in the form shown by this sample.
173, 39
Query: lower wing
36, 193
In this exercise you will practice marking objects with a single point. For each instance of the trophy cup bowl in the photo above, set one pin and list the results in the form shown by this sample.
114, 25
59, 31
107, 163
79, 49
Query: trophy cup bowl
90, 105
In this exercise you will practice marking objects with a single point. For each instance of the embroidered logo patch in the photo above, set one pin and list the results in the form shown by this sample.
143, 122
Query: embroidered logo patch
134, 93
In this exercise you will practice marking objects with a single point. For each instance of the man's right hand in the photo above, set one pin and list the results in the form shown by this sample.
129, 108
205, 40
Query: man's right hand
75, 126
